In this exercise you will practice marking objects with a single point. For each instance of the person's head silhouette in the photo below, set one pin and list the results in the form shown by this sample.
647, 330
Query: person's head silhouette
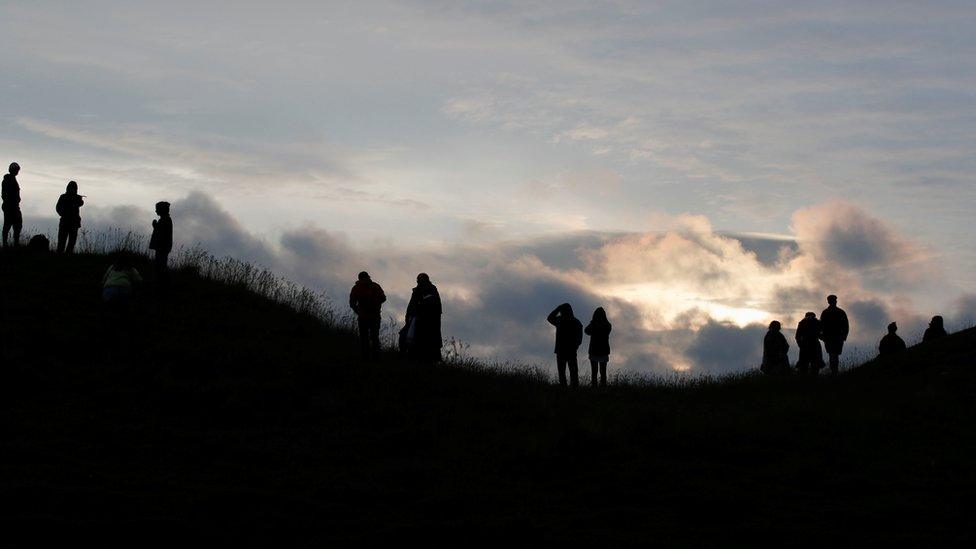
14, 168
364, 277
423, 279
892, 328
162, 208
72, 188
936, 321
832, 299
775, 326
600, 315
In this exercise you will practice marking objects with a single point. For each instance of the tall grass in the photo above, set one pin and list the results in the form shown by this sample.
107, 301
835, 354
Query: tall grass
237, 273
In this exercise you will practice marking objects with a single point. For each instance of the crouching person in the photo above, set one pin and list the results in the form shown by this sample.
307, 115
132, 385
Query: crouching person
121, 281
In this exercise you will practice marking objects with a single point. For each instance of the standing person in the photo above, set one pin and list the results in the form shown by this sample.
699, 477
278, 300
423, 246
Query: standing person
161, 242
366, 299
834, 331
69, 208
808, 340
891, 343
569, 336
775, 358
425, 311
599, 331
936, 330
12, 218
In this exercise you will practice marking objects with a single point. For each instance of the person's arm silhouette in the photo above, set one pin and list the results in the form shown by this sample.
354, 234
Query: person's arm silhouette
553, 316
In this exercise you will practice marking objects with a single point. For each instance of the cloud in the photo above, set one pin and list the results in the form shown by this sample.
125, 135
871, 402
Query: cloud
721, 347
202, 222
839, 233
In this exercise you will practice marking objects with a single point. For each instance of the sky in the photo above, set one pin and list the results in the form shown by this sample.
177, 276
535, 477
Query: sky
698, 168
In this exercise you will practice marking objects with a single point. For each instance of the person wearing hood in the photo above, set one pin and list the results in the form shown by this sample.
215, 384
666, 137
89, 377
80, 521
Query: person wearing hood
12, 217
936, 330
891, 343
424, 311
366, 300
775, 359
569, 337
808, 340
69, 208
599, 350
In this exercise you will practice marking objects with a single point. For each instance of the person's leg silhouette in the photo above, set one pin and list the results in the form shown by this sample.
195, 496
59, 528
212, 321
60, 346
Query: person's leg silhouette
561, 368
573, 370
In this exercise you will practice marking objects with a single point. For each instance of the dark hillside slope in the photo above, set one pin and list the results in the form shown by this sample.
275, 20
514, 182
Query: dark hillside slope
222, 413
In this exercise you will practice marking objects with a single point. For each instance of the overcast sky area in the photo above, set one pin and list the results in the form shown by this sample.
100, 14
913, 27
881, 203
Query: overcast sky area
698, 168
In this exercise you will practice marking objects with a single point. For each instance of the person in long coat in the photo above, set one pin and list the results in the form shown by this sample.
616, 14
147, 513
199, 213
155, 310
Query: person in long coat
834, 329
775, 358
424, 311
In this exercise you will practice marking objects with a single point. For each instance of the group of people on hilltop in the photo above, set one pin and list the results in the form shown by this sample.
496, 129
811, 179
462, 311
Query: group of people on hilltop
121, 278
832, 328
420, 338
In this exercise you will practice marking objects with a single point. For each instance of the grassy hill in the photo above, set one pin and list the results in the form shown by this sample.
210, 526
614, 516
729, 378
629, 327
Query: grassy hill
226, 414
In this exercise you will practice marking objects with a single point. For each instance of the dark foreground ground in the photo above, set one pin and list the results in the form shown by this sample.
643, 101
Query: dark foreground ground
218, 415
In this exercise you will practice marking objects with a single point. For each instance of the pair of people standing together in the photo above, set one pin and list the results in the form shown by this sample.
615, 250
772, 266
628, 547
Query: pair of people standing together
569, 337
68, 207
420, 337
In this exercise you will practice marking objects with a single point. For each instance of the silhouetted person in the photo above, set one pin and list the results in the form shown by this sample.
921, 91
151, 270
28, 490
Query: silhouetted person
569, 337
39, 244
936, 330
891, 343
366, 299
808, 340
775, 358
424, 310
12, 218
121, 281
69, 208
161, 242
599, 331
834, 331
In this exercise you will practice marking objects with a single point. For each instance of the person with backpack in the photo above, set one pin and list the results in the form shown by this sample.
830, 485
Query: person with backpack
69, 208
569, 337
599, 350
366, 300
121, 281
